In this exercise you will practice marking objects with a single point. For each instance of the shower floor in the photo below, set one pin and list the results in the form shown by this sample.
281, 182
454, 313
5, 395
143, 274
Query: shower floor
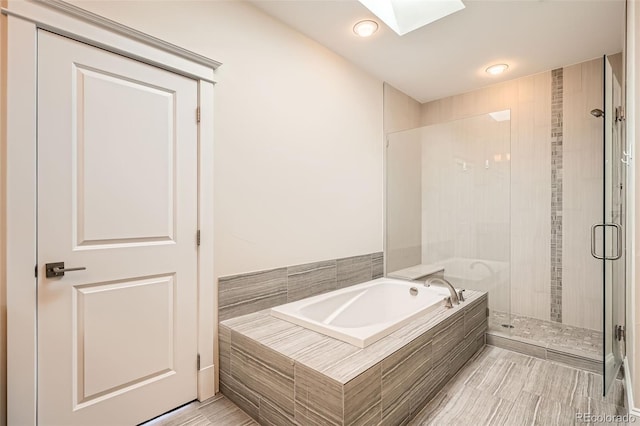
546, 333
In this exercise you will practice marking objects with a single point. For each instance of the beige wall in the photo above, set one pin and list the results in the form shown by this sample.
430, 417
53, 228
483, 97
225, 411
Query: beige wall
298, 131
403, 192
3, 304
529, 99
298, 136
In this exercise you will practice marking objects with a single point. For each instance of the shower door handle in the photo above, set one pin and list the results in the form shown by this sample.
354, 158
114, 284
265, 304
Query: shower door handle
593, 240
618, 242
618, 254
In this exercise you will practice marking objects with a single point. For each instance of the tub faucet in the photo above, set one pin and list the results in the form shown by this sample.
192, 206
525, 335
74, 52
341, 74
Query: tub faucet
444, 283
473, 264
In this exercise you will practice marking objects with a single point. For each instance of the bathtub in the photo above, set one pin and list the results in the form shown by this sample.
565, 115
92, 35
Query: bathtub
363, 313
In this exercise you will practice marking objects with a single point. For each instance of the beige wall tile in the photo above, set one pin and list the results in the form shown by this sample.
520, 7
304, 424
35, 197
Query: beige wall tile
529, 99
582, 195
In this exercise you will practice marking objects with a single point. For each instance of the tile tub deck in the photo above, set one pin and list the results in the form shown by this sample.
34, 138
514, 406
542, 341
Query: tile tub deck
281, 373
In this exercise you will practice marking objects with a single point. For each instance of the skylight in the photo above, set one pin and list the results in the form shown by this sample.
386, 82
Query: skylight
404, 16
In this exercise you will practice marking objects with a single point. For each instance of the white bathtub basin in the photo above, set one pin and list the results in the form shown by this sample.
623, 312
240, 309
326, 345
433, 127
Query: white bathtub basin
364, 313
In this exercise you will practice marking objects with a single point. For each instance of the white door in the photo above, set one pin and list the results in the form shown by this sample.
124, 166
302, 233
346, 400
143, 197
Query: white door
117, 195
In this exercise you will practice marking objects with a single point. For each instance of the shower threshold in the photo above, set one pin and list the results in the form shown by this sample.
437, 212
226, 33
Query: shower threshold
574, 346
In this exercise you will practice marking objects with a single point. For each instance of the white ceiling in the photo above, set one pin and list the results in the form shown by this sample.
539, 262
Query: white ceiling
449, 56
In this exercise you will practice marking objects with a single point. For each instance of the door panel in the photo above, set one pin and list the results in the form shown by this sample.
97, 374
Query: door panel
144, 321
136, 203
117, 194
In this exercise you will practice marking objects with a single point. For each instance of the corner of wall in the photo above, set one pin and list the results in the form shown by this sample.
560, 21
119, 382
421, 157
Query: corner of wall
401, 111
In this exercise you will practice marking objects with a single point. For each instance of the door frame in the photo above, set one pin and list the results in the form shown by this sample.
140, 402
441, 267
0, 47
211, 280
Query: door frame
24, 19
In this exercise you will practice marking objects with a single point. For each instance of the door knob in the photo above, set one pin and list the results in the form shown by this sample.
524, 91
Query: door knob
57, 269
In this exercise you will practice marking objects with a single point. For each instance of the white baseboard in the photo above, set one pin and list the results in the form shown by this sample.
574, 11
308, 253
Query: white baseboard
633, 410
206, 383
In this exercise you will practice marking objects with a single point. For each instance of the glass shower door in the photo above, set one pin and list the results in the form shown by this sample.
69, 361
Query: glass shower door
613, 226
448, 206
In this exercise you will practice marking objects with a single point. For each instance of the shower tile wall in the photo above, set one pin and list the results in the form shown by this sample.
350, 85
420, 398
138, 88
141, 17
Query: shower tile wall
529, 99
465, 167
582, 146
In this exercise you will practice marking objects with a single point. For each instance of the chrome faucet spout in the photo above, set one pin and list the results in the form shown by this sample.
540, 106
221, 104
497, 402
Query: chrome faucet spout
444, 283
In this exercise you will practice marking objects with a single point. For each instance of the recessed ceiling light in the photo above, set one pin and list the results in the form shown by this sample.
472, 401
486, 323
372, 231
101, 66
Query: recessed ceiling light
497, 69
365, 28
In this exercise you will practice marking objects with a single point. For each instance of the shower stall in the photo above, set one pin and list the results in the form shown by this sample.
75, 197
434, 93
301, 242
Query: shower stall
526, 202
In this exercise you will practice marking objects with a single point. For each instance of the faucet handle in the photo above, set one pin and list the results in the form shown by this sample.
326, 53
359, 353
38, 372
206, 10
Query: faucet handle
447, 302
461, 295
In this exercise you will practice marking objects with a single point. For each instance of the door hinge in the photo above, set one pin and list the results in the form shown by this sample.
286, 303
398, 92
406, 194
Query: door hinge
198, 237
198, 115
620, 113
620, 333
36, 271
198, 363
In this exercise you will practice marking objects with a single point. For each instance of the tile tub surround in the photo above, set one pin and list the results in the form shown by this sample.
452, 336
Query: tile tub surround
281, 373
523, 395
252, 292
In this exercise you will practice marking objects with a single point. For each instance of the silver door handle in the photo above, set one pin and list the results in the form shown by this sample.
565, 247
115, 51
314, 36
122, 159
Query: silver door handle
618, 242
593, 241
618, 254
57, 269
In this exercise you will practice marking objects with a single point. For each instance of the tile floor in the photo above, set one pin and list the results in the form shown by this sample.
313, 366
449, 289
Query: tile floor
500, 387
496, 387
218, 411
547, 333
